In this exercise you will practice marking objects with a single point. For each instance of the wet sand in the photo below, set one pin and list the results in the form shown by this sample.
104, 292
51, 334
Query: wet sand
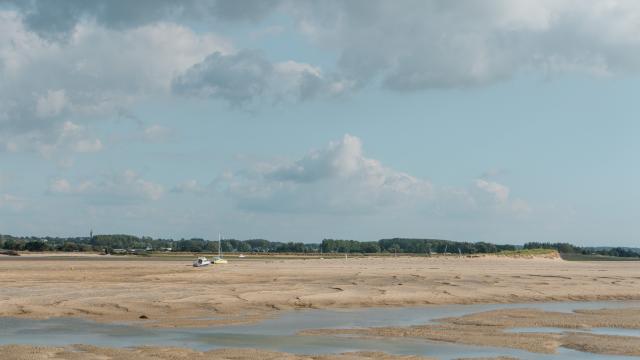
85, 352
491, 328
169, 293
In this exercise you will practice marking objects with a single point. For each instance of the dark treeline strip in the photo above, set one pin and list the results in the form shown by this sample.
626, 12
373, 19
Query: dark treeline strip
121, 243
413, 246
566, 248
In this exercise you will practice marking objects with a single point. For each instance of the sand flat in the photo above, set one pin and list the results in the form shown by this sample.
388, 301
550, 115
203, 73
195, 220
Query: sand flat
491, 328
86, 352
173, 293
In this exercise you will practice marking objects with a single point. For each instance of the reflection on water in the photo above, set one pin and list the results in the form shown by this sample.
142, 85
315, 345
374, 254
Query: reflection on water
280, 333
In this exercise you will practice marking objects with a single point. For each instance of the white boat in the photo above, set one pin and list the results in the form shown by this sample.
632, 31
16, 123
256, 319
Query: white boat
241, 256
201, 261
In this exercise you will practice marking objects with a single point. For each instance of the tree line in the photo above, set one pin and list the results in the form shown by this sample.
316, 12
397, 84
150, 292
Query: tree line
566, 248
411, 246
117, 242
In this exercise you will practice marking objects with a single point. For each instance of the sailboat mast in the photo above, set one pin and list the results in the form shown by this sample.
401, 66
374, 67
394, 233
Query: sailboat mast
219, 245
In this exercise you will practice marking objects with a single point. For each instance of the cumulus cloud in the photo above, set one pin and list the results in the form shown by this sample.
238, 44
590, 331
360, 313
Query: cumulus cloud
67, 140
248, 76
427, 43
112, 53
341, 179
121, 188
436, 44
338, 178
97, 71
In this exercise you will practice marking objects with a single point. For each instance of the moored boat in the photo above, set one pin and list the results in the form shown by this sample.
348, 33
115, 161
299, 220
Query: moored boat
201, 261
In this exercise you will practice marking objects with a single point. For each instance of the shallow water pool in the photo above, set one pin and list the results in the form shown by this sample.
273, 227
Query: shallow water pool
280, 333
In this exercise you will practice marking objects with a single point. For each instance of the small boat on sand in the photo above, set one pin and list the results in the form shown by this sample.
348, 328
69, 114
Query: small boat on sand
218, 259
201, 261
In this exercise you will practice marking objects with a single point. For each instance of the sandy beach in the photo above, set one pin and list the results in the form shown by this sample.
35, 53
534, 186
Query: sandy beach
163, 293
84, 352
172, 293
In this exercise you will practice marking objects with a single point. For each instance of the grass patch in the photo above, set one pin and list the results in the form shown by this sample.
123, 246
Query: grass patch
528, 252
595, 257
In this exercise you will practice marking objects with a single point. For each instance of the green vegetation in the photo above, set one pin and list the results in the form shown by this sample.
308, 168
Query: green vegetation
572, 252
528, 252
121, 244
596, 257
411, 246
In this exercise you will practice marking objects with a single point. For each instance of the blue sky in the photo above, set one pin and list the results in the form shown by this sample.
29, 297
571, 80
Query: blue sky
502, 121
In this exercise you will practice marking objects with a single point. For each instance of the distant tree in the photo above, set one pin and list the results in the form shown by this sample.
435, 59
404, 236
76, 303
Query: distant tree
370, 247
244, 247
36, 245
69, 246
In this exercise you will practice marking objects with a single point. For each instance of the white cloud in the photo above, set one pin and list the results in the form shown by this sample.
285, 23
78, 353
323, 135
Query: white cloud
87, 146
63, 186
248, 76
189, 186
12, 202
114, 55
67, 139
436, 44
156, 133
60, 186
97, 71
122, 188
493, 194
69, 128
427, 43
499, 192
340, 179
51, 104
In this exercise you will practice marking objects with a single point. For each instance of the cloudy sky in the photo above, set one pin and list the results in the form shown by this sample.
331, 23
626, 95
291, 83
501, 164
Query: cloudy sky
497, 120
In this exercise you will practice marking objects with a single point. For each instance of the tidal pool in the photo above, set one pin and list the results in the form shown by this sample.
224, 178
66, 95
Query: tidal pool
280, 333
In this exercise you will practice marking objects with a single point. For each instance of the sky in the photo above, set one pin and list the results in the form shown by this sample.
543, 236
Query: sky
505, 121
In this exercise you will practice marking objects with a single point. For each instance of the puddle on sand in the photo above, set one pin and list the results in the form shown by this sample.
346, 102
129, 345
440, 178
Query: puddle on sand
280, 333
